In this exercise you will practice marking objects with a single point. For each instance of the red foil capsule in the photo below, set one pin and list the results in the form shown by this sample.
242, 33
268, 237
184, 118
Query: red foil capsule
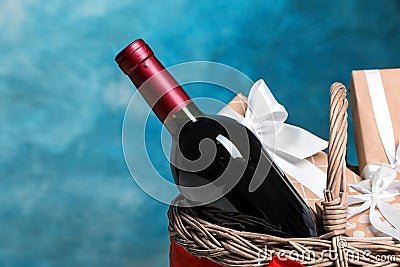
160, 90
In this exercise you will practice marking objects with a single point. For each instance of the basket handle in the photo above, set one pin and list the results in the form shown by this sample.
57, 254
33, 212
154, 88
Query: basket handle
335, 208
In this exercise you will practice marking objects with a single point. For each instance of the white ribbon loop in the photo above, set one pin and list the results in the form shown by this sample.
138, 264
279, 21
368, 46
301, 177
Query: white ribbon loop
288, 145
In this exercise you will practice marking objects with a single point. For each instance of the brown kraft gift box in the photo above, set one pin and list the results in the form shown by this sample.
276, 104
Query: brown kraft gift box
368, 142
369, 146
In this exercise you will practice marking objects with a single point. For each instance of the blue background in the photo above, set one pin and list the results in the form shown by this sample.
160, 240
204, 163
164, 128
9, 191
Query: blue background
66, 196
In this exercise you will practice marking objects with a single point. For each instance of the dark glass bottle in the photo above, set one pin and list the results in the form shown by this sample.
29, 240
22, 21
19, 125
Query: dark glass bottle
213, 156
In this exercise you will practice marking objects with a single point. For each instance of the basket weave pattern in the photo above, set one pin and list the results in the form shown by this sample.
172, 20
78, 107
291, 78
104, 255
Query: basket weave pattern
191, 229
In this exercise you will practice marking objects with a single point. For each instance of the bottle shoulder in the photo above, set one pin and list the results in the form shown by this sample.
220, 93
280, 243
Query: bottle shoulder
219, 124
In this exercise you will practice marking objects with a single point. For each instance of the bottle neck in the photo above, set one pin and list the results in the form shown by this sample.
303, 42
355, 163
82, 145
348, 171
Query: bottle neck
176, 120
158, 87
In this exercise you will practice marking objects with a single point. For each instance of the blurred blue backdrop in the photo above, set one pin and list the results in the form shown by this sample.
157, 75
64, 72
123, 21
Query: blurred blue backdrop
66, 196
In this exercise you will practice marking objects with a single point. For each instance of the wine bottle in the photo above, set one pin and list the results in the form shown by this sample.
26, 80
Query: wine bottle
215, 156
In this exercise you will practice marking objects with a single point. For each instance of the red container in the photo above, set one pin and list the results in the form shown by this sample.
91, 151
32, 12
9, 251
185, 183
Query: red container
179, 257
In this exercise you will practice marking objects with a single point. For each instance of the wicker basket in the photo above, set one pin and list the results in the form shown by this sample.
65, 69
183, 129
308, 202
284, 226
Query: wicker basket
192, 228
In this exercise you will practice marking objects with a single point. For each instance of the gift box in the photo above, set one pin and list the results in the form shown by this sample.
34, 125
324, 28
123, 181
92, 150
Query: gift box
375, 106
386, 88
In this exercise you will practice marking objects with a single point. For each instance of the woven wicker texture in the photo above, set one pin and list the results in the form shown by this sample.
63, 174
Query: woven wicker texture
207, 232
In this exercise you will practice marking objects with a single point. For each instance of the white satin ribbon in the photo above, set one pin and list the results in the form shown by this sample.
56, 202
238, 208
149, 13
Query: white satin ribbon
288, 145
380, 178
382, 115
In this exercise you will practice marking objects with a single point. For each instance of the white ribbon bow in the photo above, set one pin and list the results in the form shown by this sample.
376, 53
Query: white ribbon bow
380, 178
288, 145
379, 185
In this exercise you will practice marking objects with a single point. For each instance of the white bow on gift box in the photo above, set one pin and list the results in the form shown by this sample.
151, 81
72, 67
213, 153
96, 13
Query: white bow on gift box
379, 185
380, 182
288, 145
